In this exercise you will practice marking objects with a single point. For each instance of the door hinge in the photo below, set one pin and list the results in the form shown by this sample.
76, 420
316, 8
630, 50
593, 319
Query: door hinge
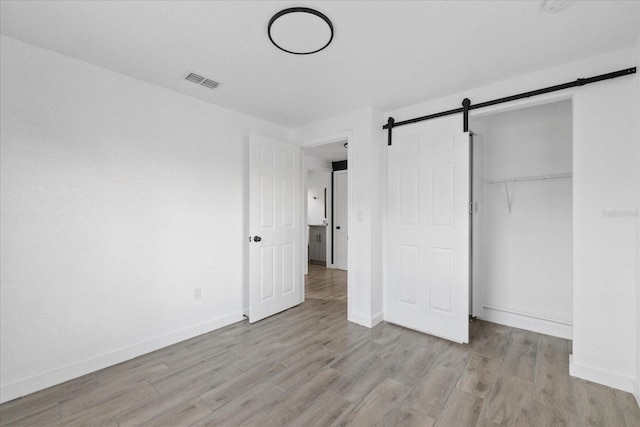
470, 207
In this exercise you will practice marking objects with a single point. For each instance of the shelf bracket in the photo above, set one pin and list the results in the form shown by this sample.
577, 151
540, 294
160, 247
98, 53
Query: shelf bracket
506, 193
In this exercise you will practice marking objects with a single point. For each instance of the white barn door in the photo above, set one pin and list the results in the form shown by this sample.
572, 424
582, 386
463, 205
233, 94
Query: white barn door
427, 253
275, 278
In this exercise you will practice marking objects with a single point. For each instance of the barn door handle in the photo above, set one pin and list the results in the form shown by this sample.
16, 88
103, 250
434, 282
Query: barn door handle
257, 238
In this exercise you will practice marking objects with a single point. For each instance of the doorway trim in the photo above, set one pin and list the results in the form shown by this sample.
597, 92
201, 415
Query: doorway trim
502, 316
344, 136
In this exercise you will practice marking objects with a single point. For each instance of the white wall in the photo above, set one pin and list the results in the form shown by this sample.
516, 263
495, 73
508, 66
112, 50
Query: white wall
118, 198
526, 254
317, 182
363, 128
605, 168
637, 114
314, 163
637, 380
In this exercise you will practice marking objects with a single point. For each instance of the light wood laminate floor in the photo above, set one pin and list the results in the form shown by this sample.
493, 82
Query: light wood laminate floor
308, 366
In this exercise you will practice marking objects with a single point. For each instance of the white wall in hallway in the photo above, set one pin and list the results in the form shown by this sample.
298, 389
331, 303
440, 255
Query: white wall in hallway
317, 182
118, 198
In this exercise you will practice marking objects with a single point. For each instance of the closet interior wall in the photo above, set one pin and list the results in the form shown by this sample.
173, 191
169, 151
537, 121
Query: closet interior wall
523, 240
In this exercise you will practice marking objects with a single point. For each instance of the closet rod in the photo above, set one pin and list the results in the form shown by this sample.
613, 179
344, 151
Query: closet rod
466, 103
532, 178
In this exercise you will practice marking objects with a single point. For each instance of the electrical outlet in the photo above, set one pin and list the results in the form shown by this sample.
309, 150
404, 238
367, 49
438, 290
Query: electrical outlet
197, 293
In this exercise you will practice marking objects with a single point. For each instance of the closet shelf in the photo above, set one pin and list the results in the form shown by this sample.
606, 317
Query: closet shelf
566, 175
505, 181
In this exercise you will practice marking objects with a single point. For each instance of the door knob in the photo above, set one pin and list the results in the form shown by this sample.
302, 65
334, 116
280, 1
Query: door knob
257, 238
338, 227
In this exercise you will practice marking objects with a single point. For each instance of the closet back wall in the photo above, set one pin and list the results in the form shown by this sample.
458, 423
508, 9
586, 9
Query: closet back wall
527, 253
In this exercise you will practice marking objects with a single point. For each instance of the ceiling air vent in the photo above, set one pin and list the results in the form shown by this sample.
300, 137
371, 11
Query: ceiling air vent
202, 81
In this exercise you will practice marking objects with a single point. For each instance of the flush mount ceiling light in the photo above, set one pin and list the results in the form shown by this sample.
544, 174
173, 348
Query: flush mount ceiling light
300, 30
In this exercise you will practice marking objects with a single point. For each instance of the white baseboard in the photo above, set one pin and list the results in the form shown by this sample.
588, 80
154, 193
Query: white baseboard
377, 319
30, 385
363, 320
530, 323
601, 376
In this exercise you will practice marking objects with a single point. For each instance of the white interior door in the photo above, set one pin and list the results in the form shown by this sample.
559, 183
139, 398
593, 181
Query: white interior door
340, 219
427, 262
275, 279
477, 168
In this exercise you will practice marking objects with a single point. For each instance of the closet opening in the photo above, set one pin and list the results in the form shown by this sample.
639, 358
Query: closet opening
522, 221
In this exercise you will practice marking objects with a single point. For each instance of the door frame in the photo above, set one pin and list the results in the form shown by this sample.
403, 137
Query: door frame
333, 180
305, 208
328, 139
478, 285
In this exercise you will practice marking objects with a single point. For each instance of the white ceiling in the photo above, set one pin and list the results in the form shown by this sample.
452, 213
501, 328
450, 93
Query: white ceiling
332, 152
385, 54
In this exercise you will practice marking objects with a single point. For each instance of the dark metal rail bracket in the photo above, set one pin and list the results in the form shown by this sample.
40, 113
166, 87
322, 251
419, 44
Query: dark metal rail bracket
466, 103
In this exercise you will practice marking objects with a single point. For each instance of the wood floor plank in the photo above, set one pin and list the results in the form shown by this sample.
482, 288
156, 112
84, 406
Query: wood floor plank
521, 336
299, 399
351, 361
407, 360
409, 417
553, 350
553, 386
462, 409
509, 398
379, 407
327, 410
629, 408
261, 419
479, 375
210, 366
137, 415
541, 415
134, 373
343, 342
83, 420
184, 360
432, 392
243, 407
520, 361
45, 416
101, 408
492, 341
596, 405
383, 333
231, 388
36, 402
455, 356
184, 415
298, 352
109, 400
356, 386
295, 374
